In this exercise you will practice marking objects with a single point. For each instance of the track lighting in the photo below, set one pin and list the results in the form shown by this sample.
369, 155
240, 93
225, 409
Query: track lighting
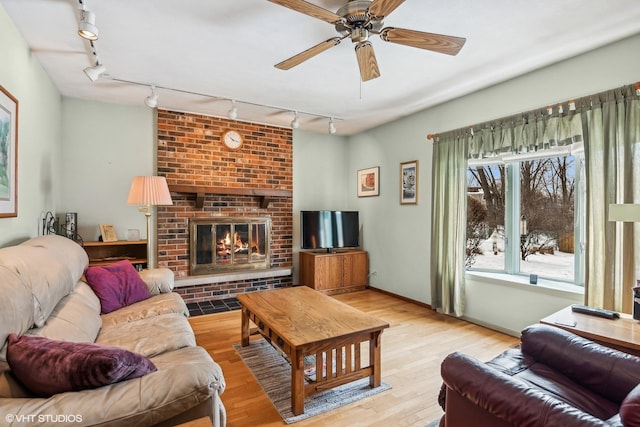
152, 100
295, 123
87, 28
95, 72
332, 127
233, 112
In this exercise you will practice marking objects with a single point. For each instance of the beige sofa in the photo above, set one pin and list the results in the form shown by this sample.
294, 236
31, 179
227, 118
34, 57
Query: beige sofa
42, 293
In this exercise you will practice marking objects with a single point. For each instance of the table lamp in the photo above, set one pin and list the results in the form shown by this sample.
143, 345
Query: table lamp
628, 212
148, 191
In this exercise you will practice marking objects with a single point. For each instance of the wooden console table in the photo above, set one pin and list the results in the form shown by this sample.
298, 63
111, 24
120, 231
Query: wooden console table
334, 272
622, 334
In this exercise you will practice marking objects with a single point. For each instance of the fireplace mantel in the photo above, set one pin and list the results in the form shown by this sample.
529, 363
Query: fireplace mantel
264, 194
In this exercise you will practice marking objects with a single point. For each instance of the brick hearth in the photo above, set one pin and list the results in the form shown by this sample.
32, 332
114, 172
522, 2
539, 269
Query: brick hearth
190, 153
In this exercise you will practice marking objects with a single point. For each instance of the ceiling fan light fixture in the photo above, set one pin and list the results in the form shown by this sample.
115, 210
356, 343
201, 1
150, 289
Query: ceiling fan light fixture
87, 28
95, 72
295, 123
152, 100
332, 126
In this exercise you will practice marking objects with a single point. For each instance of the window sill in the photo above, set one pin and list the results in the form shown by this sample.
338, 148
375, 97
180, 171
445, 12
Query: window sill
544, 285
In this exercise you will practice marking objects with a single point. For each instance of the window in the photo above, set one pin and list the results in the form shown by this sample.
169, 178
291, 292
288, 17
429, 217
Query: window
526, 216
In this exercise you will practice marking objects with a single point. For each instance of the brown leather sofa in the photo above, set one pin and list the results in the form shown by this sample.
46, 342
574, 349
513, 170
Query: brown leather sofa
554, 378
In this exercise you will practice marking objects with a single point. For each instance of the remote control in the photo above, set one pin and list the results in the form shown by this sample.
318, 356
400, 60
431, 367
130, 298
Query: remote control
600, 312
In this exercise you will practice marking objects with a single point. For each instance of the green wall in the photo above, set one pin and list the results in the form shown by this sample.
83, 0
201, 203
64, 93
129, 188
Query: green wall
398, 237
105, 146
39, 134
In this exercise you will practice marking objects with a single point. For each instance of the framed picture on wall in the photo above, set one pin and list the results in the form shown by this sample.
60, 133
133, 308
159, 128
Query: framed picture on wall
369, 182
8, 154
409, 183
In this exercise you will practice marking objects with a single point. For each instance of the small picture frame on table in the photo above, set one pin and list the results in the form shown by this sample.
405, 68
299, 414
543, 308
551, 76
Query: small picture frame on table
369, 182
108, 233
409, 183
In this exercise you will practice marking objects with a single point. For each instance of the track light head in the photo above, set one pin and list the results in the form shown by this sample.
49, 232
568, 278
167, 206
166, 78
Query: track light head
152, 100
87, 28
295, 123
233, 112
332, 126
95, 72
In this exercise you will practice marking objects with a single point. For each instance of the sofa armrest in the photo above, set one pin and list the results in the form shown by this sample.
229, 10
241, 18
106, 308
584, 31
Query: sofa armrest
607, 372
507, 398
158, 280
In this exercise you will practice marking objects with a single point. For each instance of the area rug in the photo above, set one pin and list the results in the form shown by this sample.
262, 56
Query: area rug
273, 373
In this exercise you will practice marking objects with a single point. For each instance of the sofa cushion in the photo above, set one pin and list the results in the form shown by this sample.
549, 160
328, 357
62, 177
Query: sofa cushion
10, 387
583, 361
16, 307
158, 280
150, 336
76, 317
49, 266
48, 367
156, 305
117, 285
67, 252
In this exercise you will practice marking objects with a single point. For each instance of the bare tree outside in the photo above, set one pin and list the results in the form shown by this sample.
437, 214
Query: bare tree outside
547, 191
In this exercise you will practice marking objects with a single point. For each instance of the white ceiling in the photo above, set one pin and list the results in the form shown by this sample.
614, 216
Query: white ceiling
228, 49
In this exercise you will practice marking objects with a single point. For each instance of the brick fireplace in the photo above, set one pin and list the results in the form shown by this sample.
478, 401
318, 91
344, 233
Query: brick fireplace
208, 180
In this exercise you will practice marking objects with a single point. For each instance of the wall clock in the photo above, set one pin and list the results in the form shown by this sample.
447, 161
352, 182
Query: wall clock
232, 139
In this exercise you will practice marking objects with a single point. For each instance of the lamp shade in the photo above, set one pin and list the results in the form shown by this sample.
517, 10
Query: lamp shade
149, 191
624, 212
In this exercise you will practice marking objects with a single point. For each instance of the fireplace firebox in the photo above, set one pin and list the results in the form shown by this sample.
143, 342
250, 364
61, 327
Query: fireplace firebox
221, 244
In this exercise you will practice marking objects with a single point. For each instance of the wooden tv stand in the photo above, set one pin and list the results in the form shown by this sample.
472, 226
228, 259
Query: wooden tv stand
334, 272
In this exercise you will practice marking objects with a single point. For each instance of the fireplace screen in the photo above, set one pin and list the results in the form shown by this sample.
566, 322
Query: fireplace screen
228, 243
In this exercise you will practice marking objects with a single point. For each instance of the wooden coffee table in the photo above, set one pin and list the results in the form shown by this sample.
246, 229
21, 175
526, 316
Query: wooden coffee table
301, 322
622, 334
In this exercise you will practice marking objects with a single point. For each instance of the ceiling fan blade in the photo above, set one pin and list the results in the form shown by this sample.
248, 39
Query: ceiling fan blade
381, 8
309, 9
367, 61
436, 42
308, 54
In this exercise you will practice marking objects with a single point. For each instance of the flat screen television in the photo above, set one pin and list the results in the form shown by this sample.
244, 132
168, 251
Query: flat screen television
329, 230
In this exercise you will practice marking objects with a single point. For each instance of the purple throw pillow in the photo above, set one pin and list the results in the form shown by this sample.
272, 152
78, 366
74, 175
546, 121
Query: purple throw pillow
48, 367
116, 285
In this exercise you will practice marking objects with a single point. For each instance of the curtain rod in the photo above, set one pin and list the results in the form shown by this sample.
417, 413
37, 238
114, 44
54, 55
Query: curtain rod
570, 103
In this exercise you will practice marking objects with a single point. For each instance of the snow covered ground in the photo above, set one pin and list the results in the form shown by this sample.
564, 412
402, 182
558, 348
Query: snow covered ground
557, 266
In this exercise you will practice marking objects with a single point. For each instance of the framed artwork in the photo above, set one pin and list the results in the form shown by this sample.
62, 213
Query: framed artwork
369, 182
8, 154
108, 233
409, 183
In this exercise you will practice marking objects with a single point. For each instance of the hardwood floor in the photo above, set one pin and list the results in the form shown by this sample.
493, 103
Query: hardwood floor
412, 350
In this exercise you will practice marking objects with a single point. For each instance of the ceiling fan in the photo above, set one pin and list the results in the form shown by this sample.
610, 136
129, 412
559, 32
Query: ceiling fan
358, 19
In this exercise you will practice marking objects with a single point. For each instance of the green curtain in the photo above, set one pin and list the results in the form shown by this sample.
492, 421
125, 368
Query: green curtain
608, 126
612, 153
449, 185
